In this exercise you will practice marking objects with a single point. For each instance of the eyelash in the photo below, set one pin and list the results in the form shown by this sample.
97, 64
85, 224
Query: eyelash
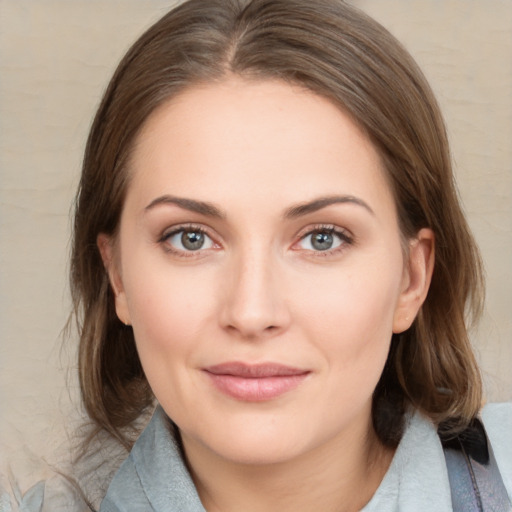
184, 228
345, 239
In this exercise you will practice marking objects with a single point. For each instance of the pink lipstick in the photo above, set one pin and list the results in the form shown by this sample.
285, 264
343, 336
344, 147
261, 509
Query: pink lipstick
255, 382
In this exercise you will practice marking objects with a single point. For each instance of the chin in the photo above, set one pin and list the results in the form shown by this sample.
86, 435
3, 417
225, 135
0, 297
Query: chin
258, 452
249, 440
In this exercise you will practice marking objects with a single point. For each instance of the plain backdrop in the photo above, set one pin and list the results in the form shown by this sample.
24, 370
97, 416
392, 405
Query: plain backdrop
56, 57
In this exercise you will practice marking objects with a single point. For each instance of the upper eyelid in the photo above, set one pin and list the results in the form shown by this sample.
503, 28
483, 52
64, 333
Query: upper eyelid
172, 230
217, 239
346, 237
333, 228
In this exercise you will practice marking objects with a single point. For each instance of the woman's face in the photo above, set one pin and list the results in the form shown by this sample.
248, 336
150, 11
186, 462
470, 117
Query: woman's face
260, 263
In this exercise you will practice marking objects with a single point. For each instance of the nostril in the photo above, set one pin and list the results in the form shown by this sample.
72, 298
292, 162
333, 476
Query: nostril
253, 333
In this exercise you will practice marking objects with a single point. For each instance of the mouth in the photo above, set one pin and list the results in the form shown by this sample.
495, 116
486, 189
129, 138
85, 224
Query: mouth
255, 382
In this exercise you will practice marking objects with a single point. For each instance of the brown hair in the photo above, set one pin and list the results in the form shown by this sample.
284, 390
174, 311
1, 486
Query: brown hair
340, 53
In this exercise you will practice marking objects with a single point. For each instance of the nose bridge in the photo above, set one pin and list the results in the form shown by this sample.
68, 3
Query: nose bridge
255, 303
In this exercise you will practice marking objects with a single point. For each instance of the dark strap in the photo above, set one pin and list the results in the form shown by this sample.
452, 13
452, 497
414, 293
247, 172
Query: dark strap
475, 481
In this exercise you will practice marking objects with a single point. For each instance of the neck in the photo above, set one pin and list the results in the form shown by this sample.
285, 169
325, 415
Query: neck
339, 476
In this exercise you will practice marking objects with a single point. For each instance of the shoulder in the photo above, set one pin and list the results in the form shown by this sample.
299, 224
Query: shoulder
55, 494
417, 478
125, 492
66, 483
497, 419
155, 476
498, 416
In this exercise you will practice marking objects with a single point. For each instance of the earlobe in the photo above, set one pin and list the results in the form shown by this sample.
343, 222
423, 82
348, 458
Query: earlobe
107, 252
416, 280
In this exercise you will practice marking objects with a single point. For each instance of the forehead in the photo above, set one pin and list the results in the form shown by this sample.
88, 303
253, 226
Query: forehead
250, 139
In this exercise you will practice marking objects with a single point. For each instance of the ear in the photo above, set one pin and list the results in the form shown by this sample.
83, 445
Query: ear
419, 265
105, 245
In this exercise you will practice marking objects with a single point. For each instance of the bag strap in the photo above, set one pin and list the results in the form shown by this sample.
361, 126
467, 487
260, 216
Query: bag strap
475, 481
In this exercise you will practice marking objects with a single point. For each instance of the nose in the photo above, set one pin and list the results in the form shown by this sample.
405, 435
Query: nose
254, 304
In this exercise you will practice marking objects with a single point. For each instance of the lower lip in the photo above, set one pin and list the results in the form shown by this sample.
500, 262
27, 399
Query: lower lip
256, 389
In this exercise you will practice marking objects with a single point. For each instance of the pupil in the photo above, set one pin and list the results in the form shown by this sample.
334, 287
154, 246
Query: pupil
192, 240
322, 241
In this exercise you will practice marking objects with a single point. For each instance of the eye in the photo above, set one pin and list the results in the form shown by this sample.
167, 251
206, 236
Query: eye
188, 240
324, 239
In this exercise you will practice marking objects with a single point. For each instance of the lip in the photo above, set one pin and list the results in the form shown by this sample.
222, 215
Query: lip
255, 382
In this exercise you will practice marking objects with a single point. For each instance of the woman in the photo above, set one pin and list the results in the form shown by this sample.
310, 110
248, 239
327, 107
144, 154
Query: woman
268, 245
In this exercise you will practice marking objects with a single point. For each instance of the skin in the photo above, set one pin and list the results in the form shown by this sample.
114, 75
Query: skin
260, 291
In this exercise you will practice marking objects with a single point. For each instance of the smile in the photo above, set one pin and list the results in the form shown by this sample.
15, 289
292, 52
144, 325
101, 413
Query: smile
255, 383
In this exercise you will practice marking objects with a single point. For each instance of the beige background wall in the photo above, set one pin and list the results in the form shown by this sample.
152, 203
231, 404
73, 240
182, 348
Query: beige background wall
55, 60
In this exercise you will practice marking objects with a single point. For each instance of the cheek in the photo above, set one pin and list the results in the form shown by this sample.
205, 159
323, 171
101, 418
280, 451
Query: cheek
168, 312
168, 306
350, 313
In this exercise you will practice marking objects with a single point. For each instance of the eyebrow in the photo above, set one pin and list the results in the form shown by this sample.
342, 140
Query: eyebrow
201, 207
322, 202
299, 210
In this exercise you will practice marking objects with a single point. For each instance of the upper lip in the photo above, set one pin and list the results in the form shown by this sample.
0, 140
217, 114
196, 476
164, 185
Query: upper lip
254, 371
